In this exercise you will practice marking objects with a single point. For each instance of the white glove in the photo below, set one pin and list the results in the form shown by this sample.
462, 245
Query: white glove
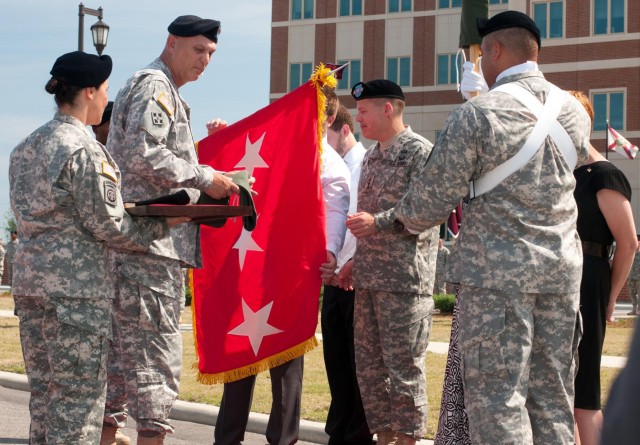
472, 81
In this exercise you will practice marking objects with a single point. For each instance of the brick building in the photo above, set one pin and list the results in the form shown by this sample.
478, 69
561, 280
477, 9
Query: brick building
588, 45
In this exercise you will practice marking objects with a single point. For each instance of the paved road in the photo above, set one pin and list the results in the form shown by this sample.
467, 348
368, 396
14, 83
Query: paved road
14, 427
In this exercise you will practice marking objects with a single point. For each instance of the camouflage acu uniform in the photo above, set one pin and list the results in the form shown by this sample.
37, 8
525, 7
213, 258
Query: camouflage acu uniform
150, 137
2, 253
10, 253
441, 266
393, 276
634, 282
64, 193
519, 261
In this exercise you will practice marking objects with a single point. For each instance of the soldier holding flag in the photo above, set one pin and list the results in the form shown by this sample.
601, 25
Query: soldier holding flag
150, 137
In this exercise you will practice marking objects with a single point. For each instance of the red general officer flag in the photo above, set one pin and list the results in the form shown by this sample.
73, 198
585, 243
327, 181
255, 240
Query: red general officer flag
256, 297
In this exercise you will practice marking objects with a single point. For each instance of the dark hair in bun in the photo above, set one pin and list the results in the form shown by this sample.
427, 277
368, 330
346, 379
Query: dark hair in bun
74, 71
64, 93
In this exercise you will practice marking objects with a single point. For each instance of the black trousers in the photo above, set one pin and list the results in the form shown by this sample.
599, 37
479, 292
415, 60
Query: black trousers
346, 421
284, 420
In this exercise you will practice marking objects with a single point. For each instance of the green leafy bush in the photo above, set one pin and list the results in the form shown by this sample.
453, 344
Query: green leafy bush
187, 296
444, 302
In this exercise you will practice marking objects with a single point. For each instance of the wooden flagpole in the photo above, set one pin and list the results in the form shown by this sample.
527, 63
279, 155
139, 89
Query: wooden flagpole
469, 38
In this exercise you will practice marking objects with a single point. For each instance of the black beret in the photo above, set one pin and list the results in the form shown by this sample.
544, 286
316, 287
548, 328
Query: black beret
192, 25
106, 114
379, 88
508, 19
81, 69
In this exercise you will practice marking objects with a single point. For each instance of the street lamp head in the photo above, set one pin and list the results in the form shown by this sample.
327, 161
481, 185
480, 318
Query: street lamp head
100, 32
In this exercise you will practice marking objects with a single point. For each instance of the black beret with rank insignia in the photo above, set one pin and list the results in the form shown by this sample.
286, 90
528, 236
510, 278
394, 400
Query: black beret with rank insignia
192, 25
379, 88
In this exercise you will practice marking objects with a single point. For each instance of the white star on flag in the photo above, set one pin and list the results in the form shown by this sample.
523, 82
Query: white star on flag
244, 244
255, 325
251, 159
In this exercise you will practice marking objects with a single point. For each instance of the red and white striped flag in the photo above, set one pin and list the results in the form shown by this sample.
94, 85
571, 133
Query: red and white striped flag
616, 141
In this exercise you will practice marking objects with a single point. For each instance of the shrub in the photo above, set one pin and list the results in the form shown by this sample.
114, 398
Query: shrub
187, 295
444, 303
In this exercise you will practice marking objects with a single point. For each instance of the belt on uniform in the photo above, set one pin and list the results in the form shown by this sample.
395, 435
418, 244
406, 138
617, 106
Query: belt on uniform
595, 249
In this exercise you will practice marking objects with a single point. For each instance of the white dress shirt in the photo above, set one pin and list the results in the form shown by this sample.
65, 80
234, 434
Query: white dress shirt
335, 179
353, 160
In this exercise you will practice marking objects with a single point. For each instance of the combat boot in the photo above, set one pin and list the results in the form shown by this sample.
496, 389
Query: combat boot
111, 435
387, 438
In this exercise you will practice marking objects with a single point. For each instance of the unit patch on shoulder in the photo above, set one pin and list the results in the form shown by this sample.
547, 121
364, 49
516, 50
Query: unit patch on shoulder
157, 118
166, 104
109, 171
110, 193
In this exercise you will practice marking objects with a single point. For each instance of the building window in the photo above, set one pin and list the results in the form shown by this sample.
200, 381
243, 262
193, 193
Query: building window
549, 17
399, 5
299, 73
497, 2
446, 69
350, 75
399, 70
443, 4
301, 9
350, 7
608, 106
608, 16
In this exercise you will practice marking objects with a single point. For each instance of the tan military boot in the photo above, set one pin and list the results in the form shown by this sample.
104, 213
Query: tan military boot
387, 438
111, 435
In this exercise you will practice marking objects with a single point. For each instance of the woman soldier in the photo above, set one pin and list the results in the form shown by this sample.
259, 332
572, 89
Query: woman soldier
66, 199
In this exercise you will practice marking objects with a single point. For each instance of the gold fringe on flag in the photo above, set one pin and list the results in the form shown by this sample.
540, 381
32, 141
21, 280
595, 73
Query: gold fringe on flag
258, 367
193, 317
322, 77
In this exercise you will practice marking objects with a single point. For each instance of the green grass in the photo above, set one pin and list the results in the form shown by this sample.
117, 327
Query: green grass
315, 399
618, 337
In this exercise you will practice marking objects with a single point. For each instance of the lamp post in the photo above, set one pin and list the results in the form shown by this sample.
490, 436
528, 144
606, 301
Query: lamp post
99, 30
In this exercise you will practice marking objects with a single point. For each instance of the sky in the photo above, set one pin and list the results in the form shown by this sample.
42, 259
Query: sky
34, 33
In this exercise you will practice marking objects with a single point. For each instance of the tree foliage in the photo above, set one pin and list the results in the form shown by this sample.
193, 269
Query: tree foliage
9, 223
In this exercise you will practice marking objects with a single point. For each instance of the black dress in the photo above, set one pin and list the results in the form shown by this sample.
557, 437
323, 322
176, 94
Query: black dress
453, 424
596, 275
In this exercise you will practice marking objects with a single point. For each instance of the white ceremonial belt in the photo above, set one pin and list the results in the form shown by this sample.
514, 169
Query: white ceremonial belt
546, 125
